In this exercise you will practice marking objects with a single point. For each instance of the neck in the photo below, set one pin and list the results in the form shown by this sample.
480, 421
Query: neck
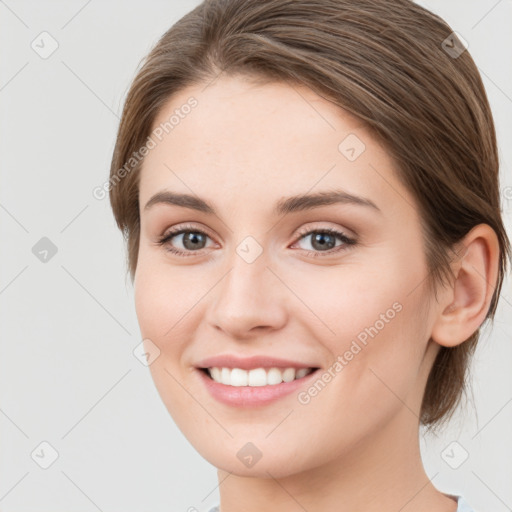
383, 473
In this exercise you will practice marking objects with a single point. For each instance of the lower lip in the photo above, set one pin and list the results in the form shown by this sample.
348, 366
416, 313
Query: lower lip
242, 396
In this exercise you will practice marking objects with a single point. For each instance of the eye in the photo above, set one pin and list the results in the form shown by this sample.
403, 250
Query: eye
324, 241
192, 240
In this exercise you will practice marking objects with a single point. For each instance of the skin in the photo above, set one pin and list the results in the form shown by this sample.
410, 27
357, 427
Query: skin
354, 446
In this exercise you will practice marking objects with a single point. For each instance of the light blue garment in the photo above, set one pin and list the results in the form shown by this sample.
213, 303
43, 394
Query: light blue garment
462, 505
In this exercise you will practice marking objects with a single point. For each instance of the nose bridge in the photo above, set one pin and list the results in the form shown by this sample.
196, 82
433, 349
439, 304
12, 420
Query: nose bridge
249, 296
247, 278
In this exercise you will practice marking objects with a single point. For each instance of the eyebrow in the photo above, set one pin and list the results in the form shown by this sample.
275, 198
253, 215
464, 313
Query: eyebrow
283, 206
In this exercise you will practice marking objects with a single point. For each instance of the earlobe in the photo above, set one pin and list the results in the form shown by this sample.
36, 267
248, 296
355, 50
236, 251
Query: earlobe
464, 305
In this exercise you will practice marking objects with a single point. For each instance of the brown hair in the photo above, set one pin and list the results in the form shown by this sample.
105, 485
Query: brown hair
390, 63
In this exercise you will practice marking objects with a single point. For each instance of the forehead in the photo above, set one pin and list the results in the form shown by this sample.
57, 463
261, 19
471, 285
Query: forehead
259, 141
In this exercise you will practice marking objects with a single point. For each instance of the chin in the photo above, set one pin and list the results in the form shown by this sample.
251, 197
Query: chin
258, 459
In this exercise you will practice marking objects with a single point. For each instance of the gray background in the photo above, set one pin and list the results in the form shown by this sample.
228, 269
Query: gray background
67, 372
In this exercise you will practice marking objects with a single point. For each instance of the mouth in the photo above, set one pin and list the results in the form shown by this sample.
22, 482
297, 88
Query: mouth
256, 377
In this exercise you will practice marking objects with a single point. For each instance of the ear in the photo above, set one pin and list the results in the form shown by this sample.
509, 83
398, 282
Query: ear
463, 306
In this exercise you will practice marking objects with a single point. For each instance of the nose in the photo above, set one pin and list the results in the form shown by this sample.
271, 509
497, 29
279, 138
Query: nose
249, 300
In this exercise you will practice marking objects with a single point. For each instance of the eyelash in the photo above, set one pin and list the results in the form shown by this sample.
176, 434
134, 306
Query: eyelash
347, 242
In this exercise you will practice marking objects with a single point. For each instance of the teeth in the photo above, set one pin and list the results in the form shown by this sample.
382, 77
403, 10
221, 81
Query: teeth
302, 372
257, 376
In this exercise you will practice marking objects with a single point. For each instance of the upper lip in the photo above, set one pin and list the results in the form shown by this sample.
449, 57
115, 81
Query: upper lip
249, 363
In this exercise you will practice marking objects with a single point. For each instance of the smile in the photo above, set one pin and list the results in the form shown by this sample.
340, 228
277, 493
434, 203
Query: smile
254, 387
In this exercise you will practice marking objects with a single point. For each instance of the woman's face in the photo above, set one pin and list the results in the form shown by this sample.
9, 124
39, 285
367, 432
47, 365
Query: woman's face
256, 274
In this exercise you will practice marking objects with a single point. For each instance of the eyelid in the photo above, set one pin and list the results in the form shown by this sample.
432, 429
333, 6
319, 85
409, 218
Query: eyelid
302, 231
323, 227
186, 227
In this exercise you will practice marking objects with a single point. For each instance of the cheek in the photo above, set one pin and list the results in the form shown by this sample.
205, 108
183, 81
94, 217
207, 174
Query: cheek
372, 317
151, 304
349, 298
164, 295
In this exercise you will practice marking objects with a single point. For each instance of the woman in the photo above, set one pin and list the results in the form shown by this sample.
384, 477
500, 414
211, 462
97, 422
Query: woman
309, 194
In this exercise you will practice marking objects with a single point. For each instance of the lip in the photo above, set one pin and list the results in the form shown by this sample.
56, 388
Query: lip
249, 396
250, 363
